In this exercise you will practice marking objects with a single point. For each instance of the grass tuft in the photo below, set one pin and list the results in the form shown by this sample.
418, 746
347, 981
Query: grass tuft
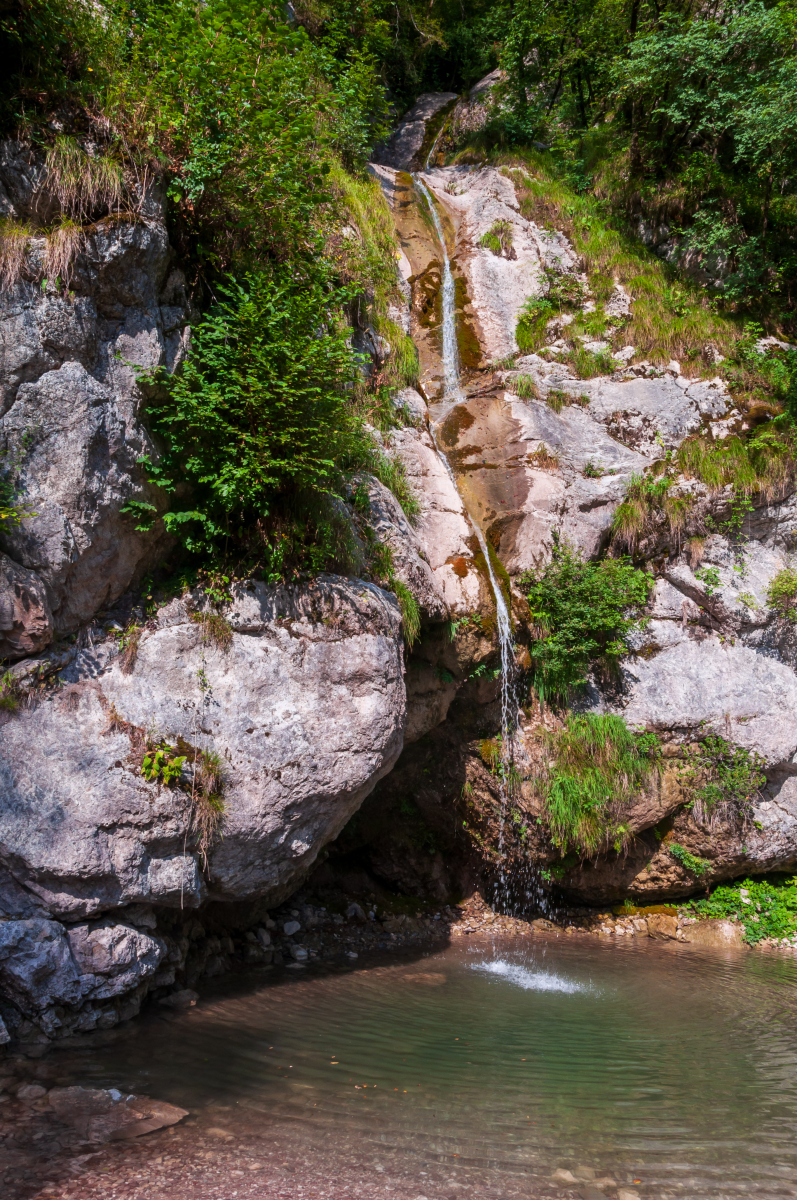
216, 629
208, 800
14, 239
82, 183
64, 242
598, 765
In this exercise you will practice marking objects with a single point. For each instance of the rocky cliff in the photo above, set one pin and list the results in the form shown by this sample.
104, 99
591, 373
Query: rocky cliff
302, 701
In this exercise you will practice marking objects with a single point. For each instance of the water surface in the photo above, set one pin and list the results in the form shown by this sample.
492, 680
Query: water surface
669, 1070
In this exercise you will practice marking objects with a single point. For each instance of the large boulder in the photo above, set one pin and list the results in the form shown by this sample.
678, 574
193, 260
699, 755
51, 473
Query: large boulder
305, 709
297, 691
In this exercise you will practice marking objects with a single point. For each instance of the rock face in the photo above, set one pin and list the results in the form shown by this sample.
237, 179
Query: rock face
78, 446
327, 658
299, 697
26, 622
70, 434
404, 149
497, 285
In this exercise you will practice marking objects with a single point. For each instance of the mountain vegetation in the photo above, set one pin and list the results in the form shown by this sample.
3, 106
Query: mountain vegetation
258, 119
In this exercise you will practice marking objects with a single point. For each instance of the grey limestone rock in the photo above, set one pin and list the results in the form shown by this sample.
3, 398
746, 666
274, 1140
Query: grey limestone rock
70, 425
411, 566
26, 623
113, 958
402, 149
37, 971
306, 710
77, 447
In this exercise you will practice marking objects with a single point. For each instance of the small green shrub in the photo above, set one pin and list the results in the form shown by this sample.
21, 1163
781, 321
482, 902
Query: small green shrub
163, 765
765, 909
598, 765
723, 780
10, 693
143, 514
260, 426
565, 291
581, 615
690, 862
782, 593
557, 399
498, 237
530, 333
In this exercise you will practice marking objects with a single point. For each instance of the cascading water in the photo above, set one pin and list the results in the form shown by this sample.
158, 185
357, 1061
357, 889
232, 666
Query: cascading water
452, 393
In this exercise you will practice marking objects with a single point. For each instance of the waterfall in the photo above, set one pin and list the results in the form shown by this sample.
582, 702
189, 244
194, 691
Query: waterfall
452, 392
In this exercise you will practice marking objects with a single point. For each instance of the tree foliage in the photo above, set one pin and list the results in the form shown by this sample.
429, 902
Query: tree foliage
258, 430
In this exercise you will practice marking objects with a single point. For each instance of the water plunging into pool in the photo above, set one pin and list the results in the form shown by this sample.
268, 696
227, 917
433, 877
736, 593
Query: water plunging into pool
452, 394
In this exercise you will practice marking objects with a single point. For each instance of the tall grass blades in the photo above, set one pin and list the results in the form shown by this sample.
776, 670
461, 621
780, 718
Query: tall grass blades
63, 245
207, 796
84, 185
14, 239
598, 765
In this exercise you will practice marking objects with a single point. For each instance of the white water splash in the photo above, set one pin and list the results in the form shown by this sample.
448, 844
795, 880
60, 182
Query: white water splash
530, 981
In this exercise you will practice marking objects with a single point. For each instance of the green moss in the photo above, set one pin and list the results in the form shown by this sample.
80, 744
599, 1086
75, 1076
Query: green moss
433, 128
470, 352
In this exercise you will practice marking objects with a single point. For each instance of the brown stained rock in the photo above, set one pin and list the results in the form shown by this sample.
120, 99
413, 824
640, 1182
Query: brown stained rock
658, 800
662, 928
99, 1116
713, 933
26, 622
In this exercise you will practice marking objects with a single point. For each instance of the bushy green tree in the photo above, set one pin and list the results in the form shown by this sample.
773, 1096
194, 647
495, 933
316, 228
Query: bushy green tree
258, 431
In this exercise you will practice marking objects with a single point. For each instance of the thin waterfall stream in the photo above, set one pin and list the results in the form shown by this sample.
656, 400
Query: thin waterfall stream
452, 392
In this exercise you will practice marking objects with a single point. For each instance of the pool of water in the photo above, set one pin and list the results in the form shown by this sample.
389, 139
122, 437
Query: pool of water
664, 1069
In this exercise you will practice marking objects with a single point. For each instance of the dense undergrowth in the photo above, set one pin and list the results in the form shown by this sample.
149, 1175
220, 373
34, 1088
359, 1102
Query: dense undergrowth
597, 765
259, 133
581, 615
766, 908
